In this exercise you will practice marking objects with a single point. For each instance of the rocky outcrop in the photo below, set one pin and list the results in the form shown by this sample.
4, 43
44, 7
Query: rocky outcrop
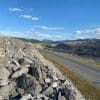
85, 47
26, 75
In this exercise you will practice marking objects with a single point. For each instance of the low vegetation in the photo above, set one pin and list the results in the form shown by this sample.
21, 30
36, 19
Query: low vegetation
28, 40
88, 90
77, 58
80, 59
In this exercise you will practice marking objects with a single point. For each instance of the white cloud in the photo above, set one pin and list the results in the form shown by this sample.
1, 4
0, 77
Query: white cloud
78, 32
14, 34
97, 31
15, 9
58, 36
20, 10
47, 28
26, 16
35, 18
40, 35
27, 10
91, 33
29, 17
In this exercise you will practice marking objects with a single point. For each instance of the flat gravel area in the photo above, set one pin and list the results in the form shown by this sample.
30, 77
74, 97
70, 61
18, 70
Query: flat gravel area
91, 73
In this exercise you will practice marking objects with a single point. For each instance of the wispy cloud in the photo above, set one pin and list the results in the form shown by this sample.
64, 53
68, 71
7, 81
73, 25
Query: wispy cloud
23, 11
26, 16
91, 33
47, 36
15, 9
35, 18
97, 31
29, 17
20, 10
47, 28
42, 35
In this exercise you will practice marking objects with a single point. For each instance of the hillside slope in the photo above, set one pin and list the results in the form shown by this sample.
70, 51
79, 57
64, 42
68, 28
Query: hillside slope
26, 75
87, 47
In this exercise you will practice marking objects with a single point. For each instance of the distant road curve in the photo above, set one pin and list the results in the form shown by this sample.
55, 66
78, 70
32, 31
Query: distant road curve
91, 73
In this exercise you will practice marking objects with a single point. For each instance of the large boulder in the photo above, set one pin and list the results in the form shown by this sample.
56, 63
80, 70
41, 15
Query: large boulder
36, 72
18, 73
48, 91
29, 84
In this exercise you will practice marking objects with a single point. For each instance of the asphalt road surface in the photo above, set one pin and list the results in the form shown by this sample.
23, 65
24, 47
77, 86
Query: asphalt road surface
91, 73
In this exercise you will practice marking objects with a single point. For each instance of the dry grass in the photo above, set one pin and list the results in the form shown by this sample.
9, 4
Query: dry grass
88, 90
76, 58
80, 59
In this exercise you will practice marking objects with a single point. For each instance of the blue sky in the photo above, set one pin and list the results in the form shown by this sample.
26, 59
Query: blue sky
50, 19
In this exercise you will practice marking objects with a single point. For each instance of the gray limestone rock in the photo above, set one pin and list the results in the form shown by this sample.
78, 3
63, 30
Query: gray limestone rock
19, 72
6, 90
27, 97
26, 75
16, 62
4, 74
48, 91
61, 97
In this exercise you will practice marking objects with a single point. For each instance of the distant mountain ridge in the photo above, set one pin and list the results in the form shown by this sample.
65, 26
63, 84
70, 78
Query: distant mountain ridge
63, 41
89, 47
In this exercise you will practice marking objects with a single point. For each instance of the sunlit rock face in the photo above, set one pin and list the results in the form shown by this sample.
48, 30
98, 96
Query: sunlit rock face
26, 75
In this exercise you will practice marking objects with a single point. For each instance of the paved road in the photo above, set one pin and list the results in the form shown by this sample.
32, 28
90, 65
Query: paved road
91, 73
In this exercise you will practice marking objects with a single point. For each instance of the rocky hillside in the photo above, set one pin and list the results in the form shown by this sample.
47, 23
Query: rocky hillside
26, 75
86, 47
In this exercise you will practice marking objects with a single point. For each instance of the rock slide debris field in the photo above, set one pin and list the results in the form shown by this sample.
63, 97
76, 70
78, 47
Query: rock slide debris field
26, 75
